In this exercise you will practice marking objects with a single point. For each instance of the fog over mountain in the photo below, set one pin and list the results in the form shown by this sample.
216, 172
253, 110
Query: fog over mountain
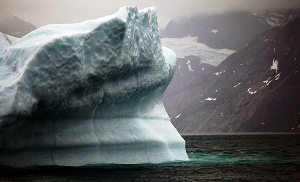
44, 12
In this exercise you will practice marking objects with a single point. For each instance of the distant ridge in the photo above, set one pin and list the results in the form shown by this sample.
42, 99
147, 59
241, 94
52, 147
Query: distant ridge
14, 26
232, 30
220, 31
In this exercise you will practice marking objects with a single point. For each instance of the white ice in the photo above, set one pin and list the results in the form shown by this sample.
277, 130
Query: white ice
88, 93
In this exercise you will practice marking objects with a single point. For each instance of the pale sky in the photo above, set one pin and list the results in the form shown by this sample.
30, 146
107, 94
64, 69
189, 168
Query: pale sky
42, 12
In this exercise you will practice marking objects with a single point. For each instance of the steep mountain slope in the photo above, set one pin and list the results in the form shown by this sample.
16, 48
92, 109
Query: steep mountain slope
12, 25
254, 89
195, 60
184, 85
231, 30
279, 18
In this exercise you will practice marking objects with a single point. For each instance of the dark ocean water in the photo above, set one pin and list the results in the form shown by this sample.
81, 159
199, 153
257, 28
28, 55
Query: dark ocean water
242, 157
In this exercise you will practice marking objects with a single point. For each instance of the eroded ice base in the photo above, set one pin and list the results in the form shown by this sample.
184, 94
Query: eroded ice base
127, 133
104, 141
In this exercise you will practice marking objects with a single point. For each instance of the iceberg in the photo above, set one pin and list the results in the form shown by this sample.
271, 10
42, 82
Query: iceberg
88, 93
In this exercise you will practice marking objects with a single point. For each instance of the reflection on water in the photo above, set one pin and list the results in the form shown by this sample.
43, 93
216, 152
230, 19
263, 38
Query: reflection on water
212, 158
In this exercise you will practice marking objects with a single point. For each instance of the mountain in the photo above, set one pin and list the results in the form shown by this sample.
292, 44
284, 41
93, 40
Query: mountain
184, 85
279, 18
12, 25
229, 30
254, 89
194, 62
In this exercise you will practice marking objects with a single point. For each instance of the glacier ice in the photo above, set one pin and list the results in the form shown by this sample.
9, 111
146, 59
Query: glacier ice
187, 46
88, 93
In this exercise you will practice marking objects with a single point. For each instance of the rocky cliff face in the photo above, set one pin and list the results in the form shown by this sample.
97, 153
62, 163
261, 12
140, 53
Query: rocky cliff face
185, 85
254, 89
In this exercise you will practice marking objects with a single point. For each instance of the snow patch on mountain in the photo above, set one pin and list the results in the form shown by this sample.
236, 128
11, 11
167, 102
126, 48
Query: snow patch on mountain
211, 99
268, 81
275, 65
236, 85
251, 92
177, 116
276, 19
189, 66
277, 76
214, 31
273, 21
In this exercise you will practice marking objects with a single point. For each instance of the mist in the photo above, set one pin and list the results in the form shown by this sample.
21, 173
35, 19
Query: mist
44, 12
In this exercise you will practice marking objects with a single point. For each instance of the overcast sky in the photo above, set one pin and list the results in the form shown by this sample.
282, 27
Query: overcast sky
42, 12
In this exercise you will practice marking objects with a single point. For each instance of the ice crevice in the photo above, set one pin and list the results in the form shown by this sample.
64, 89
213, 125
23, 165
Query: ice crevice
88, 93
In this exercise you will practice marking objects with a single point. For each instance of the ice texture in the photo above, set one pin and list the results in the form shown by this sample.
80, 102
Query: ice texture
88, 93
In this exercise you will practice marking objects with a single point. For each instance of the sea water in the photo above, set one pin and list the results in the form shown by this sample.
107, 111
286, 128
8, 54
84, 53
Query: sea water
213, 157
